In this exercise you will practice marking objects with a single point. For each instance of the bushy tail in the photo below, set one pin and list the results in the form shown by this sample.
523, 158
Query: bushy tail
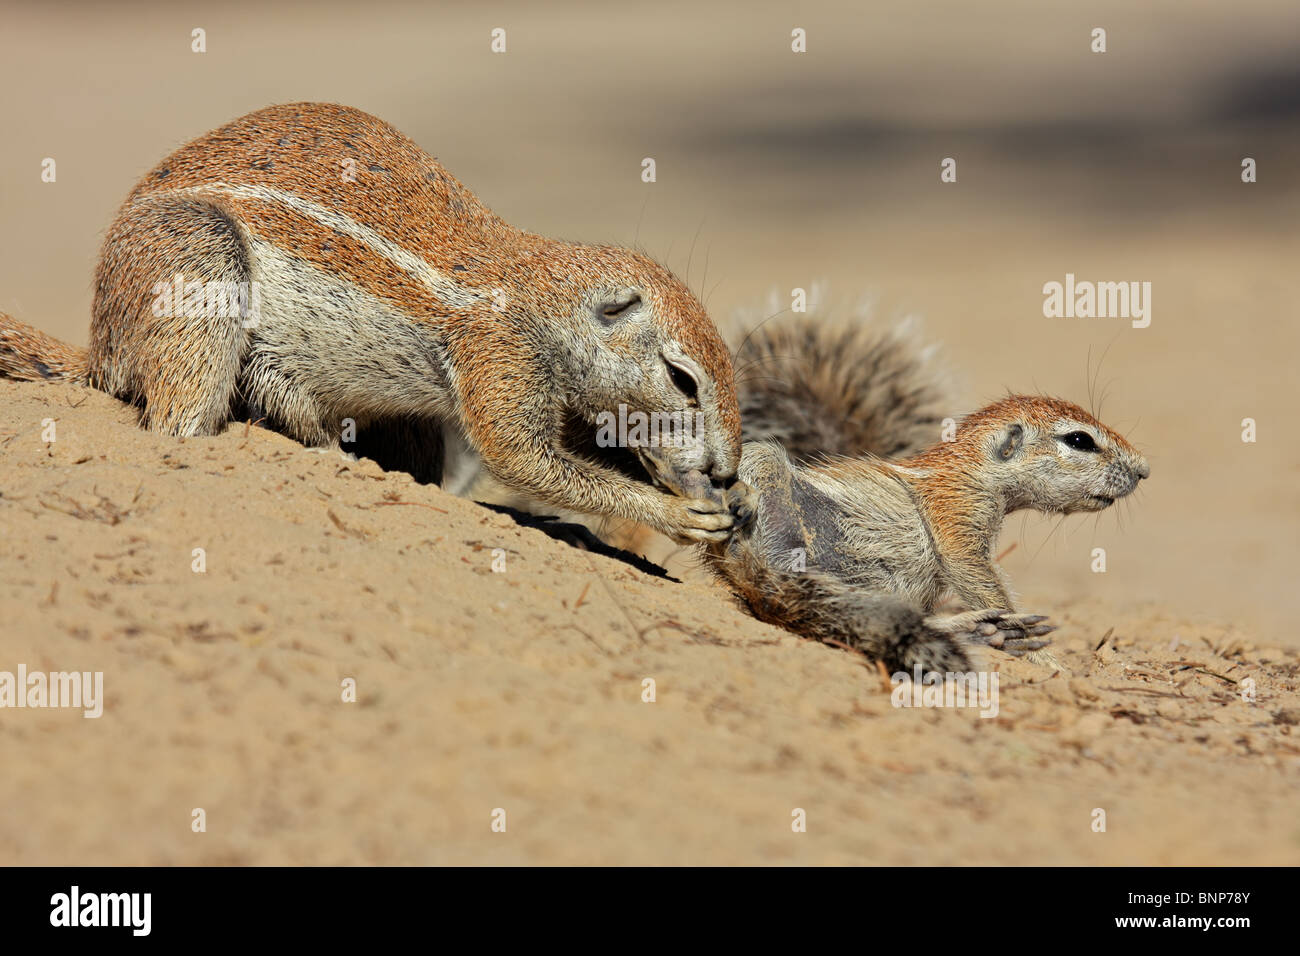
823, 387
31, 355
883, 626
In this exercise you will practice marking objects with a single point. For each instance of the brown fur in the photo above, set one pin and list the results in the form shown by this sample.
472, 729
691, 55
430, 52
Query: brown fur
918, 528
964, 498
31, 355
860, 549
400, 302
822, 388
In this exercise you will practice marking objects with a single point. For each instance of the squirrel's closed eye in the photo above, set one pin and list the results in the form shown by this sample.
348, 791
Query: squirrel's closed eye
1081, 441
615, 310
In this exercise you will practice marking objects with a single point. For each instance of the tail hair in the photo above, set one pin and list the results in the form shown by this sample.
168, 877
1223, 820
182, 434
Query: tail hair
30, 355
826, 387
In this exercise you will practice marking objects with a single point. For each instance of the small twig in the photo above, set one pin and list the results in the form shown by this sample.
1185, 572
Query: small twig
671, 625
599, 647
338, 523
414, 504
1189, 666
638, 634
886, 681
1146, 690
831, 642
1144, 672
1104, 638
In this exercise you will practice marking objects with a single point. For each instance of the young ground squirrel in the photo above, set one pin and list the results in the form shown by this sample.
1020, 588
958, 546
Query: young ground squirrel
376, 288
882, 541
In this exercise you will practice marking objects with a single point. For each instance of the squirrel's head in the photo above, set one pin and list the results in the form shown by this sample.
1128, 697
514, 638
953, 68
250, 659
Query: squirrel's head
633, 335
1052, 456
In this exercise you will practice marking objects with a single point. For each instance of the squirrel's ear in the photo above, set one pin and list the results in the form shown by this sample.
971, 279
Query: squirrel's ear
1009, 442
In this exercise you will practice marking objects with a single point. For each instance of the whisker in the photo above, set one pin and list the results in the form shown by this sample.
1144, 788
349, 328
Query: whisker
1087, 376
637, 237
745, 341
705, 281
1049, 537
691, 254
708, 295
1100, 363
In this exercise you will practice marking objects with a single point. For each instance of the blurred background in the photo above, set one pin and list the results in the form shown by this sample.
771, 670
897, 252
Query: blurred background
778, 170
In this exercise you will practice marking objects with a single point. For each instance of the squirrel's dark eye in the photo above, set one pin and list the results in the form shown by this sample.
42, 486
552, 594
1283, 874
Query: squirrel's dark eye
683, 379
1080, 441
619, 308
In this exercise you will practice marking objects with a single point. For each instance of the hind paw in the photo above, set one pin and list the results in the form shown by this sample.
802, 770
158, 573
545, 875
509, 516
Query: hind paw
1015, 634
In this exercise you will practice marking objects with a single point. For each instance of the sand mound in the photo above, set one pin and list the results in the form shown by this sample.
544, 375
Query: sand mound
522, 690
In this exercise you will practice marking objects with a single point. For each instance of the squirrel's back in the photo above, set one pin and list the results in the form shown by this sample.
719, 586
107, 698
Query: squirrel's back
349, 194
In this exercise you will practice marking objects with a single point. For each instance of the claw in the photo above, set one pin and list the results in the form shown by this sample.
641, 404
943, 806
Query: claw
1022, 648
999, 628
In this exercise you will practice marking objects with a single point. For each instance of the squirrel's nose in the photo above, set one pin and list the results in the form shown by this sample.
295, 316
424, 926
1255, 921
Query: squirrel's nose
722, 473
1142, 469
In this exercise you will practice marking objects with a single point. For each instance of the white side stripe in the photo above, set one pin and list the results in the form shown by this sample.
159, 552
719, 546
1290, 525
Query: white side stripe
439, 283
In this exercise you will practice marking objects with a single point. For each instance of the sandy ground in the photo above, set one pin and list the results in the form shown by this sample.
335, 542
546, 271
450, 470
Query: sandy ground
522, 690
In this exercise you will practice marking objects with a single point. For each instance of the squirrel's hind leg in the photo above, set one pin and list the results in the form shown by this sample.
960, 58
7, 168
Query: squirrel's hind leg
167, 330
884, 626
288, 404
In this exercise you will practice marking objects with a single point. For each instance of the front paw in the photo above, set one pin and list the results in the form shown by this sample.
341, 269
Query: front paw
702, 511
704, 520
1016, 634
742, 500
713, 513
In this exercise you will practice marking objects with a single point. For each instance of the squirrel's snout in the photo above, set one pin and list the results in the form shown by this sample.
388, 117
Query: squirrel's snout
723, 470
725, 479
1141, 468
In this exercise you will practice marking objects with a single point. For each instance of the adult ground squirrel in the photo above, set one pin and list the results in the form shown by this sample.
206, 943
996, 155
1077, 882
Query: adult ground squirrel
371, 286
861, 549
